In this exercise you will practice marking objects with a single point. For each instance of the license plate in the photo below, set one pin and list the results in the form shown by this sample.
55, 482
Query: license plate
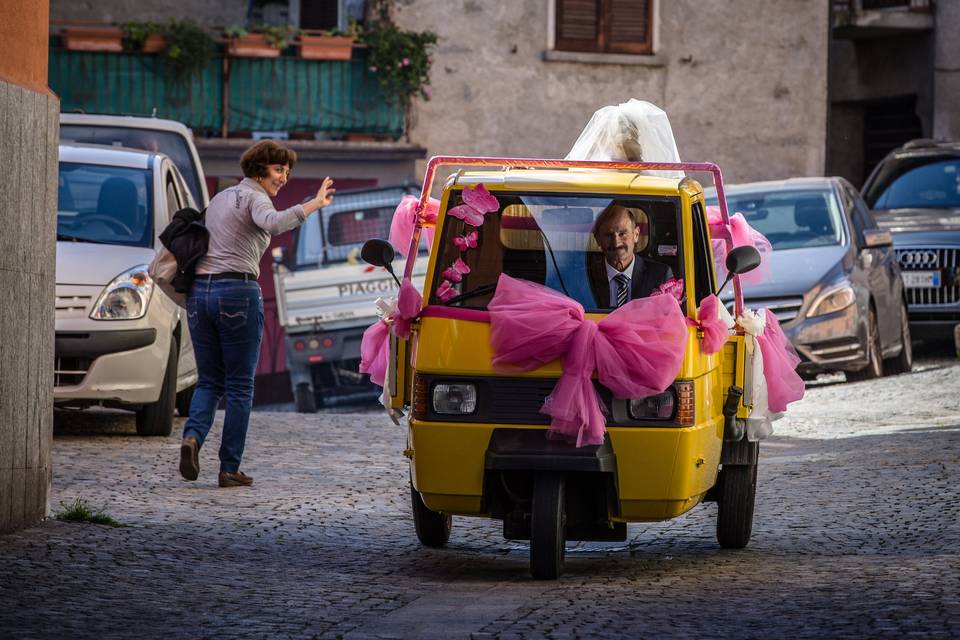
921, 279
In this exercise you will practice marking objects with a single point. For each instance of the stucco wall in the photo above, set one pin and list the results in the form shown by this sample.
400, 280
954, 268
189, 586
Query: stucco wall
946, 109
28, 166
207, 12
744, 84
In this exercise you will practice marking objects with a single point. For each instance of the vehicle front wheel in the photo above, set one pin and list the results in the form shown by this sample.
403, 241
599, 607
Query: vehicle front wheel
738, 492
874, 368
903, 362
547, 527
433, 528
156, 418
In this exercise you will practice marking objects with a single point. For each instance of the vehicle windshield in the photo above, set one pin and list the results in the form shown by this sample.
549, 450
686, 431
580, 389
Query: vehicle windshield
550, 239
167, 142
790, 219
351, 220
931, 186
111, 205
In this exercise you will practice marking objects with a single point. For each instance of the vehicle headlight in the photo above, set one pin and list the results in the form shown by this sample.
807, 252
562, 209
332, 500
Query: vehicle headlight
833, 299
454, 398
126, 298
658, 407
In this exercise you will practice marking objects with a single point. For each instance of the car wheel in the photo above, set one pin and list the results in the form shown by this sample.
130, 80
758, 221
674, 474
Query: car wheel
737, 495
433, 528
547, 527
184, 398
874, 368
156, 418
903, 362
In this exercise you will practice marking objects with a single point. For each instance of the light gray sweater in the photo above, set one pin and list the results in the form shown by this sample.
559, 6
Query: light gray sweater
241, 220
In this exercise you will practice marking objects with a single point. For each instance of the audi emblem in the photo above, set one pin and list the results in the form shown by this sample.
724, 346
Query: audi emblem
918, 259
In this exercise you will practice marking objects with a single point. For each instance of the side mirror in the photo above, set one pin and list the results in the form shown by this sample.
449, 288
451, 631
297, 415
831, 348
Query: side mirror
379, 253
740, 260
877, 238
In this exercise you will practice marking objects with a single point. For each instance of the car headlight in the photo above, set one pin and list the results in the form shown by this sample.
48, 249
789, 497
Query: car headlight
658, 407
454, 398
833, 299
126, 298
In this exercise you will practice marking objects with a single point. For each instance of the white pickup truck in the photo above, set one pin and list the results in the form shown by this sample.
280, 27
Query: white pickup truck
326, 295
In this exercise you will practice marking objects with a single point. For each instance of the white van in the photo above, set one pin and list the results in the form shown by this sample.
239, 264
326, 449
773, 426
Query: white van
120, 341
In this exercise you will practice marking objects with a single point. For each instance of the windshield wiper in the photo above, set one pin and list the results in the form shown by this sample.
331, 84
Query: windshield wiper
472, 293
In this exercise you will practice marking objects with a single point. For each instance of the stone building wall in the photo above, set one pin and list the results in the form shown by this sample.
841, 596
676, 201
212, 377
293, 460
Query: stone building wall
28, 183
744, 84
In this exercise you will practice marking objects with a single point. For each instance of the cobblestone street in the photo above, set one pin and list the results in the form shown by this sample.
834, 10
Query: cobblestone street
856, 534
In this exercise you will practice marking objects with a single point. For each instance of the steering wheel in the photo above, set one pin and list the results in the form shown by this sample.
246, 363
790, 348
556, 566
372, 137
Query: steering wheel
113, 223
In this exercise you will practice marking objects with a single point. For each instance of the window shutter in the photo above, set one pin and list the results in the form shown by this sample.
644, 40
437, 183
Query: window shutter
629, 26
578, 25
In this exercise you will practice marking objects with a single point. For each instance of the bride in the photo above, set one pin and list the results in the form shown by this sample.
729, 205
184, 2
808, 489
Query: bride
635, 131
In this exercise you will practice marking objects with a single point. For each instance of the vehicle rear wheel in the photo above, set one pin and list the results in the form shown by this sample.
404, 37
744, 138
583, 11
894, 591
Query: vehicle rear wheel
433, 528
738, 492
304, 398
184, 398
156, 418
547, 527
874, 368
903, 362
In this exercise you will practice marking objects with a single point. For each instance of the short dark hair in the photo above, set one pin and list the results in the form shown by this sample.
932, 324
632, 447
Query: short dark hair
608, 213
254, 160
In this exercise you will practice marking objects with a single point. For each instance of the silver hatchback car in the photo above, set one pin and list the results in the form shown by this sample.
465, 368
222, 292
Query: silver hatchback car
834, 281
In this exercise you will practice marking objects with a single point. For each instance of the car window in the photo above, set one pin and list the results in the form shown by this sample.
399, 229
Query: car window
97, 203
931, 186
167, 142
791, 219
703, 264
173, 198
849, 197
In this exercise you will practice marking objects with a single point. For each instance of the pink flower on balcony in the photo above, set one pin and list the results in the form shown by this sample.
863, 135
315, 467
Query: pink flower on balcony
405, 62
373, 68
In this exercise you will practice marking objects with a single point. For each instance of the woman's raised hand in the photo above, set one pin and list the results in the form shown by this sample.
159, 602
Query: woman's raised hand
325, 194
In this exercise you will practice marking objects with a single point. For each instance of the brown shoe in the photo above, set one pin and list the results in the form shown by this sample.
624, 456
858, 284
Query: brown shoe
234, 479
190, 458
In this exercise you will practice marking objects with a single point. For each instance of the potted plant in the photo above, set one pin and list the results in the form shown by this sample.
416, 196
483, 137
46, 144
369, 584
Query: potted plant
189, 47
329, 45
401, 61
100, 38
145, 37
259, 42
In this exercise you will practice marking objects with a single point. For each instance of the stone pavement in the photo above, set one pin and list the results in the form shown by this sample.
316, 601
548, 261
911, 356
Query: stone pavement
856, 534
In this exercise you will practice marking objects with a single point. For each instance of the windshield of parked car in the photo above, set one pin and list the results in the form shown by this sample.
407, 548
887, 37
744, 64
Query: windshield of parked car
550, 239
97, 203
167, 142
790, 219
931, 186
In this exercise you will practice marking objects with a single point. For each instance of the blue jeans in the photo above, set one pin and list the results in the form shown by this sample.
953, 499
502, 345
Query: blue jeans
226, 325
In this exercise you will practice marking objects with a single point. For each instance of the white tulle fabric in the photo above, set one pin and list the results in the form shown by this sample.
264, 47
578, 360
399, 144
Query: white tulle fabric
636, 131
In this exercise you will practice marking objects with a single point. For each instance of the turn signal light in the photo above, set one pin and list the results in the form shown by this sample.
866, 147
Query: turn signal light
420, 392
686, 406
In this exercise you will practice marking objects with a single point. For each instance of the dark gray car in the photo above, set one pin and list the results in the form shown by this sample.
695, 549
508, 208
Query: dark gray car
834, 283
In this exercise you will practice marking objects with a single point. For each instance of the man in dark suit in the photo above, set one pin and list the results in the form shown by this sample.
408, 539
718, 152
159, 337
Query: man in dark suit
622, 275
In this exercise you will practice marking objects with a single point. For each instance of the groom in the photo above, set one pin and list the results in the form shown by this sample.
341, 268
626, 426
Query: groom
622, 275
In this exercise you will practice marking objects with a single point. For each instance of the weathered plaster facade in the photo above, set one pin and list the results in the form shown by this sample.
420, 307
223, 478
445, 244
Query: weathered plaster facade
28, 183
744, 84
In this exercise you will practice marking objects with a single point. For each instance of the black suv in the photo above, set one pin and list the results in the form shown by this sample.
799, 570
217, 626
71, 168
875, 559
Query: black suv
915, 194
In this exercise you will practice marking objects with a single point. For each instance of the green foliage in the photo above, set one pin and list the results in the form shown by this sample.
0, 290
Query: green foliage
401, 60
234, 31
189, 47
278, 37
81, 511
135, 34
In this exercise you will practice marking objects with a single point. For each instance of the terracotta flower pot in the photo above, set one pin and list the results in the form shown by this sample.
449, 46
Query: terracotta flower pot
252, 45
92, 39
325, 47
155, 43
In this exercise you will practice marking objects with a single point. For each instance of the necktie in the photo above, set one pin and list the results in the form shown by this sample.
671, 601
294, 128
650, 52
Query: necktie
623, 284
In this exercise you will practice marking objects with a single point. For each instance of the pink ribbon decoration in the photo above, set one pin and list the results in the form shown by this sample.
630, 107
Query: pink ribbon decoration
405, 219
672, 287
741, 234
780, 362
375, 344
715, 332
637, 351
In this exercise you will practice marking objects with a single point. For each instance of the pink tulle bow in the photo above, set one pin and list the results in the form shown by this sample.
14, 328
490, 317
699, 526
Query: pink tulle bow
636, 351
672, 287
375, 344
780, 362
405, 219
715, 331
740, 234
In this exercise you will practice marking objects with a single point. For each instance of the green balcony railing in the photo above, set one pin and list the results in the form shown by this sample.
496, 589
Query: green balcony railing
232, 94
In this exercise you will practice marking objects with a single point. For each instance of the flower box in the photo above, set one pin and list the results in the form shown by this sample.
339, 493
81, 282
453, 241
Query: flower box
252, 45
92, 39
325, 47
155, 43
